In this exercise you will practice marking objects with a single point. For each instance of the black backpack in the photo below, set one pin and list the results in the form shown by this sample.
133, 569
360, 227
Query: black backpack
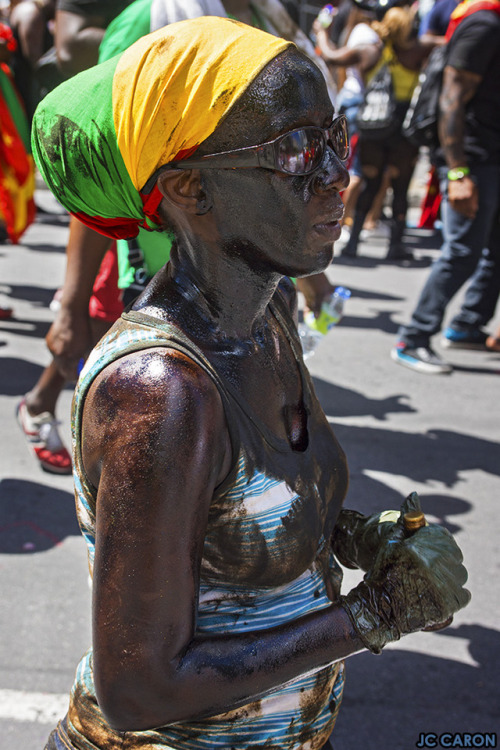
420, 125
376, 117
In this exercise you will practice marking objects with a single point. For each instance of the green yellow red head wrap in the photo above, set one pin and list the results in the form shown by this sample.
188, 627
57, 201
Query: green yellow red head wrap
98, 137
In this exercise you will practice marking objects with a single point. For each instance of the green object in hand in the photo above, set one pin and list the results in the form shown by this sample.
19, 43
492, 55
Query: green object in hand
357, 539
415, 581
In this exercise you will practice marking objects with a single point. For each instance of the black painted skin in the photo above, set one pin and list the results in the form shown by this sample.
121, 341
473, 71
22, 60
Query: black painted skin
156, 442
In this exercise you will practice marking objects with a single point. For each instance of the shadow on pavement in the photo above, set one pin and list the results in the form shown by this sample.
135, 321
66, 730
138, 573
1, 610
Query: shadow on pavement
58, 220
382, 321
34, 517
344, 402
391, 699
18, 376
495, 367
38, 329
434, 456
374, 295
38, 296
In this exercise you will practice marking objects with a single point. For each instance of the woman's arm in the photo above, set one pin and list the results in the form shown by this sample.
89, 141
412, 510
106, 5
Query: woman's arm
363, 56
459, 87
157, 445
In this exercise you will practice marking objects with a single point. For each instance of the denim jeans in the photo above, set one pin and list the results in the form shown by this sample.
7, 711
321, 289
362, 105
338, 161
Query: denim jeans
470, 250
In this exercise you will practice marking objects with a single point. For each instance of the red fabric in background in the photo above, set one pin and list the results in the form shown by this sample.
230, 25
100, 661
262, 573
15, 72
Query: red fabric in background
106, 303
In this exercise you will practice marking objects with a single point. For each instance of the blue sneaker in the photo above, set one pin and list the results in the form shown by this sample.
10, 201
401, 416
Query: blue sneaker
474, 338
421, 358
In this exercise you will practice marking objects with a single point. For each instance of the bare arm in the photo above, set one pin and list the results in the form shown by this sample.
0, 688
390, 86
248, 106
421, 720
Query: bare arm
459, 86
77, 40
157, 445
365, 56
29, 19
414, 55
69, 338
431, 40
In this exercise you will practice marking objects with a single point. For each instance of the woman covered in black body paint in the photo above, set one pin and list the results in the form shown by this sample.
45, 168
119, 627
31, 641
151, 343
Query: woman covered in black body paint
209, 484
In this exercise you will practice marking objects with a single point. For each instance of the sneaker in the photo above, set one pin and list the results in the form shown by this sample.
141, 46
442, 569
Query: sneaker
42, 434
474, 338
421, 359
343, 239
379, 230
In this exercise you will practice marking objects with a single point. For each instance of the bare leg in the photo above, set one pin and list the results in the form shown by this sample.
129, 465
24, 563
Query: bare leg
46, 391
350, 196
375, 211
493, 342
44, 394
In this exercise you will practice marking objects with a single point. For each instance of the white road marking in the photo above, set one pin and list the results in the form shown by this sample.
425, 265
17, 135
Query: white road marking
44, 708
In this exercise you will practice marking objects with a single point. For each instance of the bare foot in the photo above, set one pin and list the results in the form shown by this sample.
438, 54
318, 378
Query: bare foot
493, 344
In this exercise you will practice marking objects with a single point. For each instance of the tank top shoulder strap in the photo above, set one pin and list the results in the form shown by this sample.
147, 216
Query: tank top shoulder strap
173, 337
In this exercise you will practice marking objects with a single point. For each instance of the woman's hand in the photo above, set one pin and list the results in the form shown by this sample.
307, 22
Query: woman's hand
69, 340
357, 539
414, 582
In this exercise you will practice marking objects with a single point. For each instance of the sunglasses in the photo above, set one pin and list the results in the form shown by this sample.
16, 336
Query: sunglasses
299, 152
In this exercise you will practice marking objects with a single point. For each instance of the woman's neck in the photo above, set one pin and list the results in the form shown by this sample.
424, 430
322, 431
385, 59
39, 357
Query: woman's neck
230, 294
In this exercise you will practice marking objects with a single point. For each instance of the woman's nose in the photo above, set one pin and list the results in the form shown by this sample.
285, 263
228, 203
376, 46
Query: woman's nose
332, 174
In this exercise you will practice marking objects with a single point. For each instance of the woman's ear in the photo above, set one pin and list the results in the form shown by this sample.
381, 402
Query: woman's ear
182, 189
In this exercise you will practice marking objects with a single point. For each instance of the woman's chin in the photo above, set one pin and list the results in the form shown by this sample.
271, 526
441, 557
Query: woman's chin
322, 260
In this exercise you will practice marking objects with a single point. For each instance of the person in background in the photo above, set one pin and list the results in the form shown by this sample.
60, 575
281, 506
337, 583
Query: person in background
434, 24
404, 55
17, 178
469, 171
17, 174
359, 55
30, 21
79, 29
209, 483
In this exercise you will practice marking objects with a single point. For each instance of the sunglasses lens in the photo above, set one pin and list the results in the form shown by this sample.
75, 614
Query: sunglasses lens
301, 152
339, 138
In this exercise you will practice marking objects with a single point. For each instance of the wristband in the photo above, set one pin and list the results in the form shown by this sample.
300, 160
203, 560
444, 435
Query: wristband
457, 173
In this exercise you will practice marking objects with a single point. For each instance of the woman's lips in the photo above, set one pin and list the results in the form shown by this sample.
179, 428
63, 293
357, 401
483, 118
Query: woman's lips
330, 229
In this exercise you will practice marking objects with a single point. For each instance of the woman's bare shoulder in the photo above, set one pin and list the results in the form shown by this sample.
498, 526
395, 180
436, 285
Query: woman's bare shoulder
145, 400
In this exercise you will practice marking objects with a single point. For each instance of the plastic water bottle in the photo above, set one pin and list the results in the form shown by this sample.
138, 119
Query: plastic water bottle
325, 16
312, 330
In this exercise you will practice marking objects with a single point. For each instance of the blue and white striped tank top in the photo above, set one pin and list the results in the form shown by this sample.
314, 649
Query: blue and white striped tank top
297, 715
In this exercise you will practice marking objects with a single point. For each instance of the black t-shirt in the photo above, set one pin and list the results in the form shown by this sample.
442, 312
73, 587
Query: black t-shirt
105, 9
475, 47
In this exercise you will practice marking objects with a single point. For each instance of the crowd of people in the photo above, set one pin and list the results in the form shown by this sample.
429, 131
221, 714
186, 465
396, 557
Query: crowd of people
211, 163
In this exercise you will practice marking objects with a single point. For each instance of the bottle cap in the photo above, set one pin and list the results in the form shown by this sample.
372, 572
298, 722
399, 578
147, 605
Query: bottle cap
413, 520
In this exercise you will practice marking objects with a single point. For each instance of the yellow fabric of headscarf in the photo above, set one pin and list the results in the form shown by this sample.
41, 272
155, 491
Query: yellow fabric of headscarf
171, 89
